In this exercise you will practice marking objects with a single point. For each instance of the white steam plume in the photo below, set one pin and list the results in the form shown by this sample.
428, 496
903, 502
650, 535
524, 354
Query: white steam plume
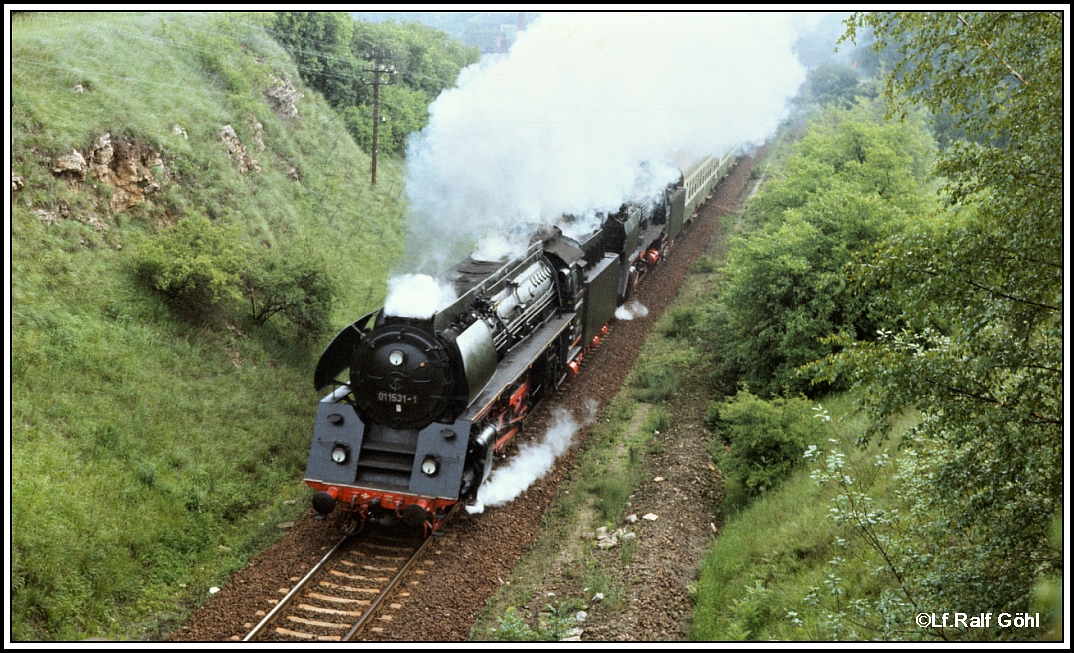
532, 462
631, 311
417, 295
587, 111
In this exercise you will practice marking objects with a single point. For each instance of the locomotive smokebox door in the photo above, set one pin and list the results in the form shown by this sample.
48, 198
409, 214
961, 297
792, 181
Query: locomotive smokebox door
402, 376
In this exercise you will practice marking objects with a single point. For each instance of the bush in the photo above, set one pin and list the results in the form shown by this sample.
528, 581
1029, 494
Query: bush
297, 287
512, 627
766, 438
553, 624
195, 263
612, 492
705, 264
683, 322
199, 265
852, 181
656, 384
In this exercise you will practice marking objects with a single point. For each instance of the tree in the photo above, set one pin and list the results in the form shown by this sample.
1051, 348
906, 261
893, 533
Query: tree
294, 284
833, 83
765, 439
319, 42
851, 182
428, 61
403, 111
978, 290
195, 264
330, 50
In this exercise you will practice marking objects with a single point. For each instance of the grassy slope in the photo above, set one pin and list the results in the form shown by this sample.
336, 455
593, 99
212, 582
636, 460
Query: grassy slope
773, 552
151, 456
773, 556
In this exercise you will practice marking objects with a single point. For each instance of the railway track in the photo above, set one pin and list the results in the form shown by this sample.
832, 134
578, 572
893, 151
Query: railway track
441, 609
347, 591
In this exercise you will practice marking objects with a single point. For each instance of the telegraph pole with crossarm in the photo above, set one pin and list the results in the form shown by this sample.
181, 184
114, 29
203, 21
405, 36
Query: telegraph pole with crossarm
381, 66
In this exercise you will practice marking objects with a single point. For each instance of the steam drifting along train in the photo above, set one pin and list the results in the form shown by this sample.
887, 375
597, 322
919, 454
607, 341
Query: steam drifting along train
429, 401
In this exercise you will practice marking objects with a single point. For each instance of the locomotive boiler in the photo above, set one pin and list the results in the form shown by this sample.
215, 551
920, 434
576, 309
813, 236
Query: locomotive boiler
422, 404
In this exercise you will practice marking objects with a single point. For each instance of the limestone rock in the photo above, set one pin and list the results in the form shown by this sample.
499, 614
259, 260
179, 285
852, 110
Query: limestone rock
48, 217
259, 137
237, 151
72, 165
126, 167
282, 97
103, 150
606, 540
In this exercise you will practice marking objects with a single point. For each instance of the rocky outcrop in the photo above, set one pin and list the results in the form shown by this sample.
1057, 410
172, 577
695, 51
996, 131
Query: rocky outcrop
62, 211
259, 137
237, 151
71, 166
127, 168
282, 96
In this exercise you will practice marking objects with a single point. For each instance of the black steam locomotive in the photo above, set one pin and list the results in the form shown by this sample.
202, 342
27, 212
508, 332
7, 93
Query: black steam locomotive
429, 401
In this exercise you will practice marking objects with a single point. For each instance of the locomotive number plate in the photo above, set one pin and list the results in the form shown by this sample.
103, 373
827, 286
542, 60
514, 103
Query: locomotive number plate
397, 398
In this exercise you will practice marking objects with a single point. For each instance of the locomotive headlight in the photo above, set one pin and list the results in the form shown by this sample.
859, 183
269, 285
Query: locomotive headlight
396, 357
430, 466
339, 455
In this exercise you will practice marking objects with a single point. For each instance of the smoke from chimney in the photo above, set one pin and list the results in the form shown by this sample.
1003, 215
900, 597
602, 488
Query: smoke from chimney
586, 111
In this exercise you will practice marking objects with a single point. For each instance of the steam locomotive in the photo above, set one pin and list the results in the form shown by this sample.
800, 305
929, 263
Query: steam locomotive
428, 402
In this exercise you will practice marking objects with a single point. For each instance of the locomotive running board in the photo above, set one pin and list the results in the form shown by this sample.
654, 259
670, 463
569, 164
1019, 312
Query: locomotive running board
517, 361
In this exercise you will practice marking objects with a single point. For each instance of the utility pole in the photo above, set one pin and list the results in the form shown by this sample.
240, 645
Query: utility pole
378, 69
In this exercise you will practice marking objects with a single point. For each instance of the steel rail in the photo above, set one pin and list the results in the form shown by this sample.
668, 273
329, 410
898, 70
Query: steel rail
372, 609
294, 592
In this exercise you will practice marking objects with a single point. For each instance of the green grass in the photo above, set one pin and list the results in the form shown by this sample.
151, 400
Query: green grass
151, 455
775, 553
162, 70
656, 376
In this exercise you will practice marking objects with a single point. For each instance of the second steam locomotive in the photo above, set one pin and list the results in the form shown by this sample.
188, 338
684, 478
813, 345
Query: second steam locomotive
421, 405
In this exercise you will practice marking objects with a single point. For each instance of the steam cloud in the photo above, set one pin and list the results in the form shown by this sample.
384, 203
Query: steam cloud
587, 111
532, 462
631, 311
417, 295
